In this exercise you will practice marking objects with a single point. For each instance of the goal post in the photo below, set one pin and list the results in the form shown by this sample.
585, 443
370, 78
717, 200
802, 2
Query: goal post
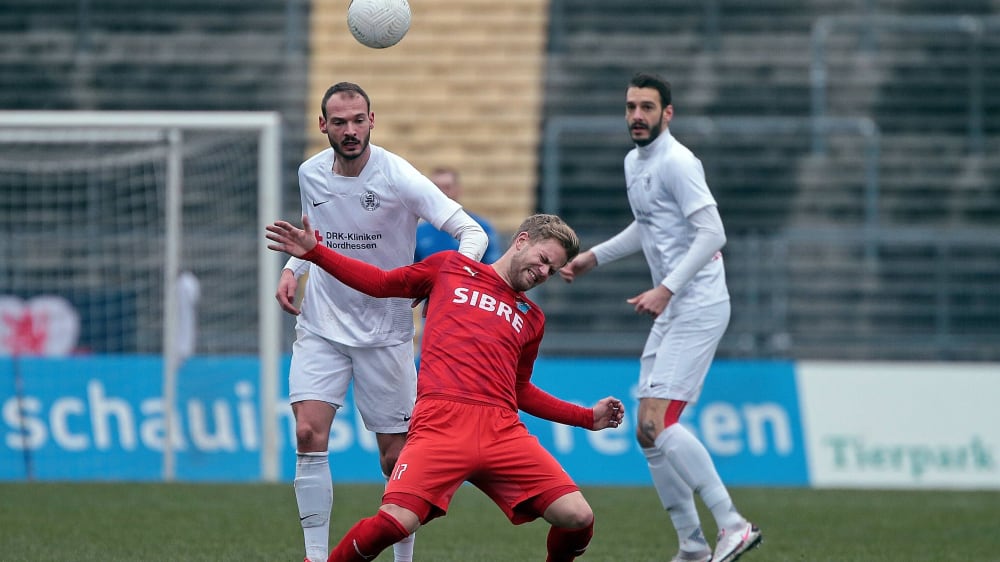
114, 177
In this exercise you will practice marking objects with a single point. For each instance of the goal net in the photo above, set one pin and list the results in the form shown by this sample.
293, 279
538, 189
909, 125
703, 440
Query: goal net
137, 234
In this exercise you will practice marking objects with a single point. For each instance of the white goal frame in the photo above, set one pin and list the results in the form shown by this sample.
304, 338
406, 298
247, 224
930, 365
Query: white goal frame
172, 124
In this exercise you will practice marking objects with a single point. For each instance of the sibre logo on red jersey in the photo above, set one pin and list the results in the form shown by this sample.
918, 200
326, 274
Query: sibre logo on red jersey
489, 303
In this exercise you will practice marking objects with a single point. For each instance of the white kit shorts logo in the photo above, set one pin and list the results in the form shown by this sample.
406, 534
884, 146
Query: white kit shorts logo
370, 201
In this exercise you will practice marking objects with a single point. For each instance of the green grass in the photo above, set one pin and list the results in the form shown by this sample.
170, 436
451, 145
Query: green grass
232, 522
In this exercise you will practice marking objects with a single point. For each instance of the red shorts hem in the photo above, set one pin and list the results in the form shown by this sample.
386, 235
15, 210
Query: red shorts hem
424, 509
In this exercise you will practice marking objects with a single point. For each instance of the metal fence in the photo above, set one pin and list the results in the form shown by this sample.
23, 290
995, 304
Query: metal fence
943, 63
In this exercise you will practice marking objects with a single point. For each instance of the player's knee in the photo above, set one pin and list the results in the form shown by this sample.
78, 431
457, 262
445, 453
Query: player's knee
647, 431
654, 418
308, 438
644, 440
390, 446
388, 463
573, 515
388, 459
579, 518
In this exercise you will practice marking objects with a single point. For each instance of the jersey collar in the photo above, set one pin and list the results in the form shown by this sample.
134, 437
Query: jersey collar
662, 142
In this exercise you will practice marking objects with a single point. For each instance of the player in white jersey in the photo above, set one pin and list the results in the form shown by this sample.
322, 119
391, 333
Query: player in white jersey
678, 228
364, 202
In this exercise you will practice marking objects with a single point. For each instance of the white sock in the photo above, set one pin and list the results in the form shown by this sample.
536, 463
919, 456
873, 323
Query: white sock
403, 550
693, 463
678, 499
314, 494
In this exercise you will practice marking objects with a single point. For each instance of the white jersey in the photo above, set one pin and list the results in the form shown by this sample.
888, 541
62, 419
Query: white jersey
666, 184
373, 218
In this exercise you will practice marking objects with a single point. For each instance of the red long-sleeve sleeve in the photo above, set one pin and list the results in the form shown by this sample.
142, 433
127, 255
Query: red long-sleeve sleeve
407, 281
539, 403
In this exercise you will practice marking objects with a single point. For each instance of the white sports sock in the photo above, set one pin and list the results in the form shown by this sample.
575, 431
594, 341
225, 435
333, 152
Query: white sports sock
678, 499
403, 550
314, 494
694, 465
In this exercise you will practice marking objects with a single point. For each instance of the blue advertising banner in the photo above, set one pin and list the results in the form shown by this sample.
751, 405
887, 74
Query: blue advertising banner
101, 418
747, 417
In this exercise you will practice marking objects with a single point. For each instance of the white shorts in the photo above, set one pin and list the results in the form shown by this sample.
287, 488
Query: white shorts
384, 378
679, 351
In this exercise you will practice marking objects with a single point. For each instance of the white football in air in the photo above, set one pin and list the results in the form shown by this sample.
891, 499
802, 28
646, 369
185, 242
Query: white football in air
378, 23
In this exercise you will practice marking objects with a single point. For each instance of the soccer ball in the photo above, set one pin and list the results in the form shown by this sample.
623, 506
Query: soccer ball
378, 23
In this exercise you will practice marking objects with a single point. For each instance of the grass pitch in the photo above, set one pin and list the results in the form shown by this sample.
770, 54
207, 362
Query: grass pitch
112, 522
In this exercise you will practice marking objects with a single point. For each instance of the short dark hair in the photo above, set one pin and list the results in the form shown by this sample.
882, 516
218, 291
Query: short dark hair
650, 80
344, 87
550, 227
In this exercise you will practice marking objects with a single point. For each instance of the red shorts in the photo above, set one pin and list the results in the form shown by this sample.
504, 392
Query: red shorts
453, 442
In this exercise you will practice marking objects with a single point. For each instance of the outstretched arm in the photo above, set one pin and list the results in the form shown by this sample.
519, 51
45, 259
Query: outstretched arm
622, 244
410, 281
581, 264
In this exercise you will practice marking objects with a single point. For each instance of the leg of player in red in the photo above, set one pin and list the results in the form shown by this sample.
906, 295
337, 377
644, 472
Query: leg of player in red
571, 517
399, 517
369, 537
572, 527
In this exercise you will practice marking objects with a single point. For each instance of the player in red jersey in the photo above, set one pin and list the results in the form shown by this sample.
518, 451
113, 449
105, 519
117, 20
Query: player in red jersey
479, 347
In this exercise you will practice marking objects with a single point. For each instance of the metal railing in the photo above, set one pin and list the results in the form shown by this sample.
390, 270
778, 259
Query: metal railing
869, 26
805, 294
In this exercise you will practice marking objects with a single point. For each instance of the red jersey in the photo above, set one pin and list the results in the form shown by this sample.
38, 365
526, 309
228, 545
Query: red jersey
480, 339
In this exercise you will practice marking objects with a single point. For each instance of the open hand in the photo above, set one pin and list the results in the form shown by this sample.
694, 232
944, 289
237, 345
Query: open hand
290, 239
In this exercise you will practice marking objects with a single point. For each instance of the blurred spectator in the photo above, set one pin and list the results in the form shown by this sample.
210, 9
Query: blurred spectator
431, 240
188, 295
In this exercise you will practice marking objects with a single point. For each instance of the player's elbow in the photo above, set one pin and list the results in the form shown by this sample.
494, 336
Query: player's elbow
720, 239
712, 238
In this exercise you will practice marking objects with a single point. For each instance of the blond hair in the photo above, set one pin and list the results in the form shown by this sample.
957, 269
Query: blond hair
550, 227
